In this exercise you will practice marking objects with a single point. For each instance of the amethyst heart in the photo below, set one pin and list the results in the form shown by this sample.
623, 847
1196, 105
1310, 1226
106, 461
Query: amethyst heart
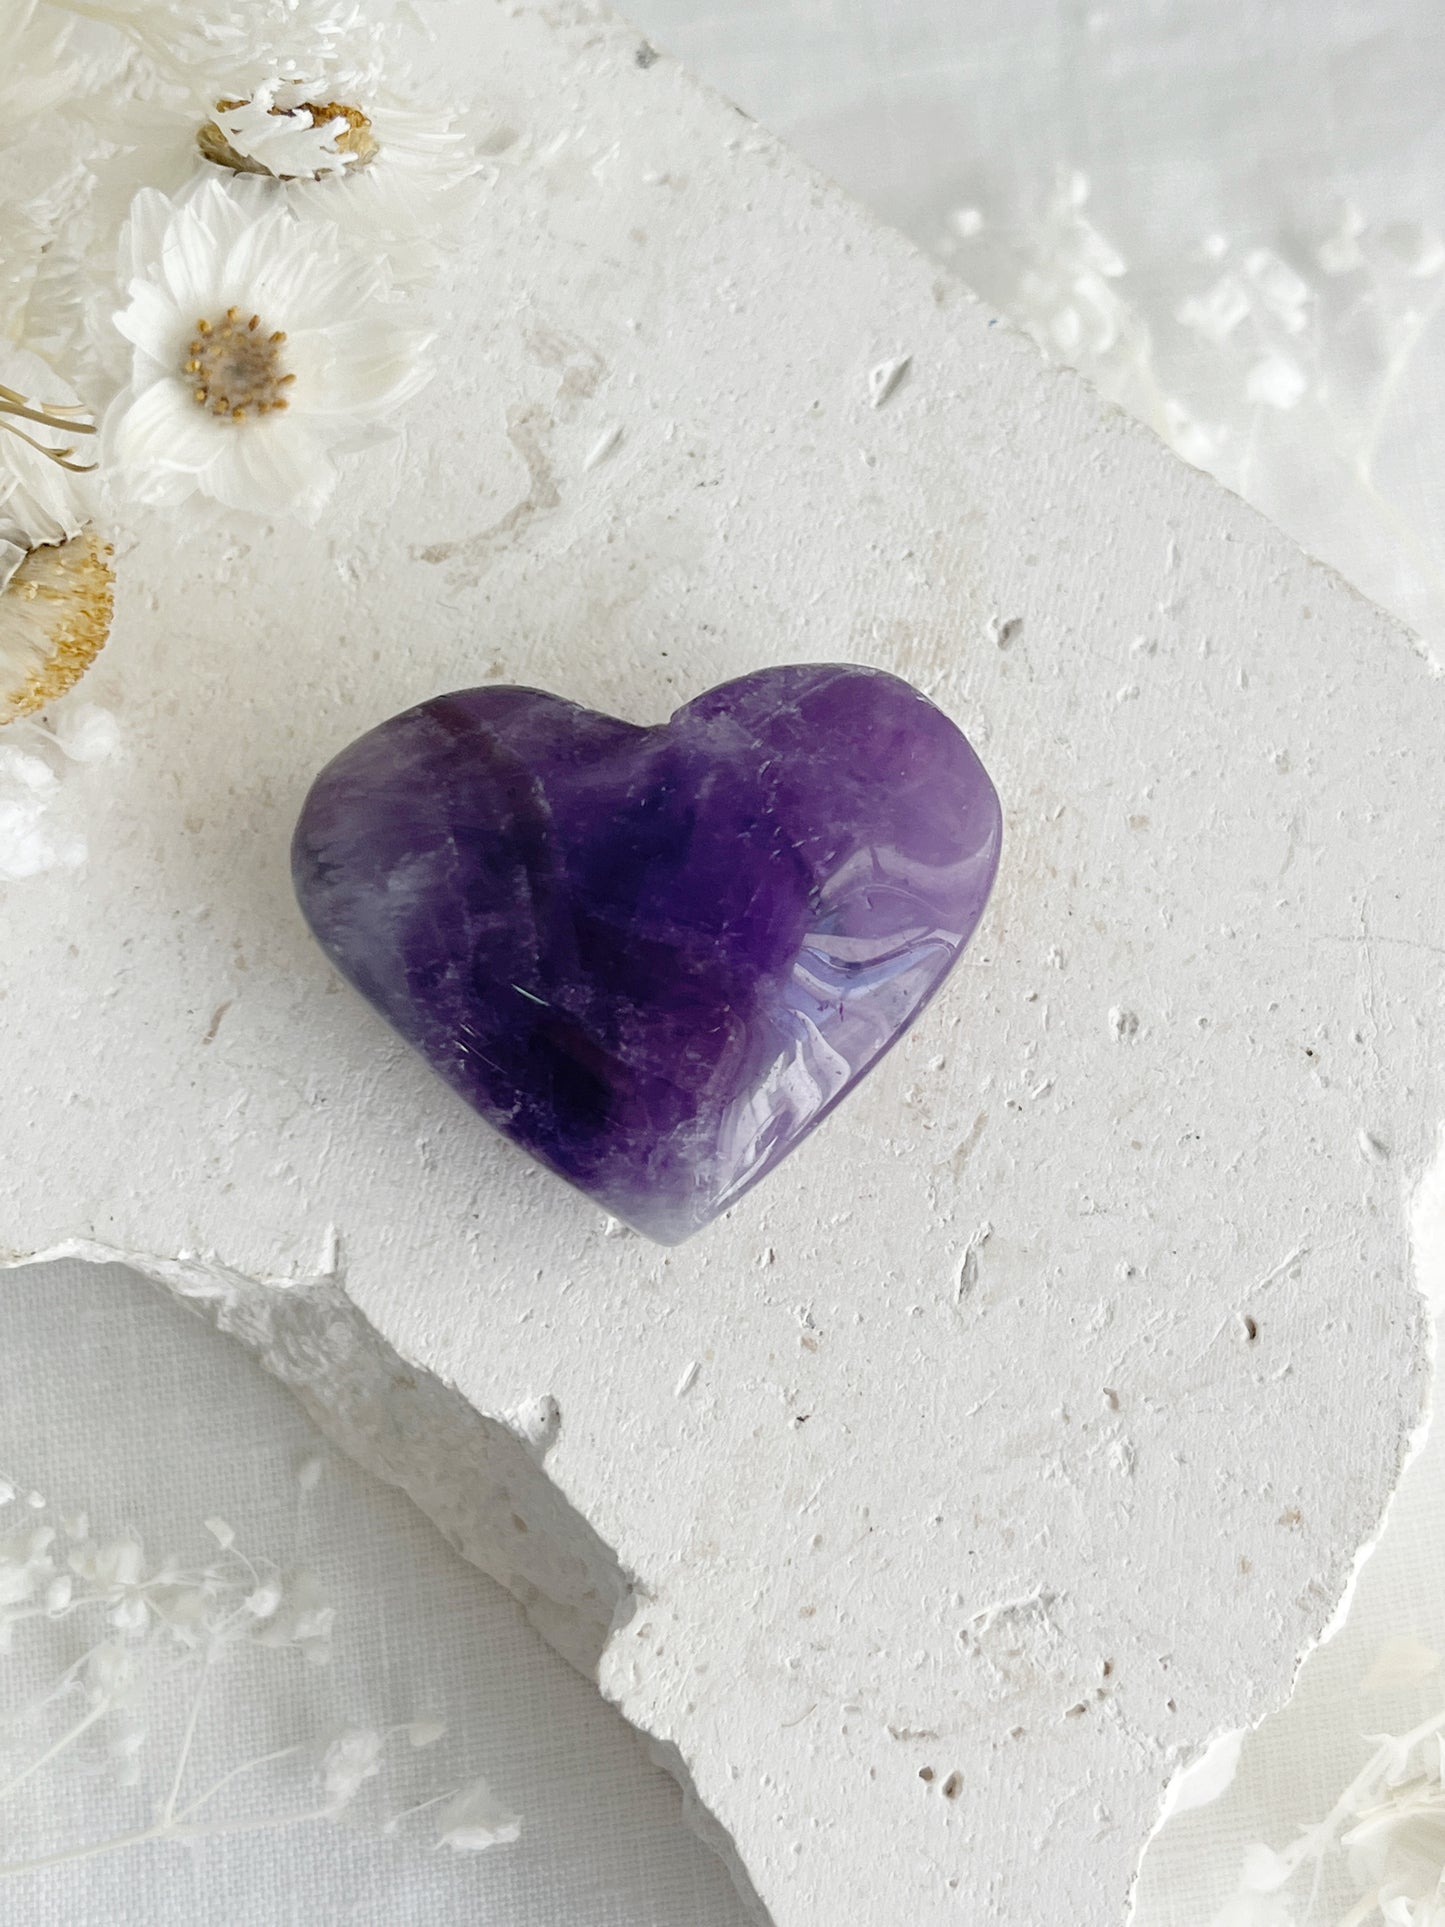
654, 958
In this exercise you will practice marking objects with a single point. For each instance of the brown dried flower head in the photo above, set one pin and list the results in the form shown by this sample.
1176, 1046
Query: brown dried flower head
355, 141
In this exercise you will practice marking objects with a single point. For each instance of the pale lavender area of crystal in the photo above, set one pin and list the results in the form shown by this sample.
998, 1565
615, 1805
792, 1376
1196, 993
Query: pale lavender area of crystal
655, 958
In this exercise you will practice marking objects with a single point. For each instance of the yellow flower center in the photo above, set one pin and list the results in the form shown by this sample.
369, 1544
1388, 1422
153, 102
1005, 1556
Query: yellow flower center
54, 618
236, 368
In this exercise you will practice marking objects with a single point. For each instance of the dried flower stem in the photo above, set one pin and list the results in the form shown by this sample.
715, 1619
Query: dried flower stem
168, 1830
14, 406
52, 415
246, 1766
422, 1806
62, 1745
168, 1811
1394, 374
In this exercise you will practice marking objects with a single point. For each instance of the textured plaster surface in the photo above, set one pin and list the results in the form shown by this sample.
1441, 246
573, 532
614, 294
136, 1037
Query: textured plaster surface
1020, 1433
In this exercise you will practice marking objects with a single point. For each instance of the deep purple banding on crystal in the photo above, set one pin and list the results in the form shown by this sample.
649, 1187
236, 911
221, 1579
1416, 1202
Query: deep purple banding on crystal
654, 958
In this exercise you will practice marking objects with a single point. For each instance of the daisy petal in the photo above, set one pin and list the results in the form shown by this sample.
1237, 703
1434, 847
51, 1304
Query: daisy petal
205, 225
291, 460
163, 430
151, 321
250, 269
363, 373
145, 231
319, 286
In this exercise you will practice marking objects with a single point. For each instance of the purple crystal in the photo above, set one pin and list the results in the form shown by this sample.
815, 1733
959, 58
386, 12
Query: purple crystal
654, 958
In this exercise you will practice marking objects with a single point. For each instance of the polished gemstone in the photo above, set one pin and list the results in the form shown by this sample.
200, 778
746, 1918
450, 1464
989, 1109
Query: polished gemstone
654, 957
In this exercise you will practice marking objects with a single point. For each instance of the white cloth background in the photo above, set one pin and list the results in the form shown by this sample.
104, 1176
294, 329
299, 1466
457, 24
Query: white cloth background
1249, 120
118, 1401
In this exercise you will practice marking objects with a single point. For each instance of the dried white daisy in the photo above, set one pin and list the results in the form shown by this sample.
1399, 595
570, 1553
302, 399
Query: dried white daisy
289, 130
395, 177
262, 345
55, 615
55, 578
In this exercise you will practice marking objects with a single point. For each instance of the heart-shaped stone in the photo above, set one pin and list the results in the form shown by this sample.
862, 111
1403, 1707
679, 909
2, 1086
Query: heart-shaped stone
654, 958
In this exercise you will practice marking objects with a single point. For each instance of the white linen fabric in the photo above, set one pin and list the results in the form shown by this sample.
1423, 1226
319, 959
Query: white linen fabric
117, 1401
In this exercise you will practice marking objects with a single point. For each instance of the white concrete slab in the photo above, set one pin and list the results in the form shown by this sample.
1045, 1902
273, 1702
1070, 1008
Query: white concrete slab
1021, 1432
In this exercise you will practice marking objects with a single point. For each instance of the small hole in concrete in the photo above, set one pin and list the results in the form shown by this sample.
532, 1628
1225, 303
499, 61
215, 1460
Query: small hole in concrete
953, 1786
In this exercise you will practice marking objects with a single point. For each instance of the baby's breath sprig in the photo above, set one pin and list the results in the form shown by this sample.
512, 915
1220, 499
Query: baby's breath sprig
144, 1641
